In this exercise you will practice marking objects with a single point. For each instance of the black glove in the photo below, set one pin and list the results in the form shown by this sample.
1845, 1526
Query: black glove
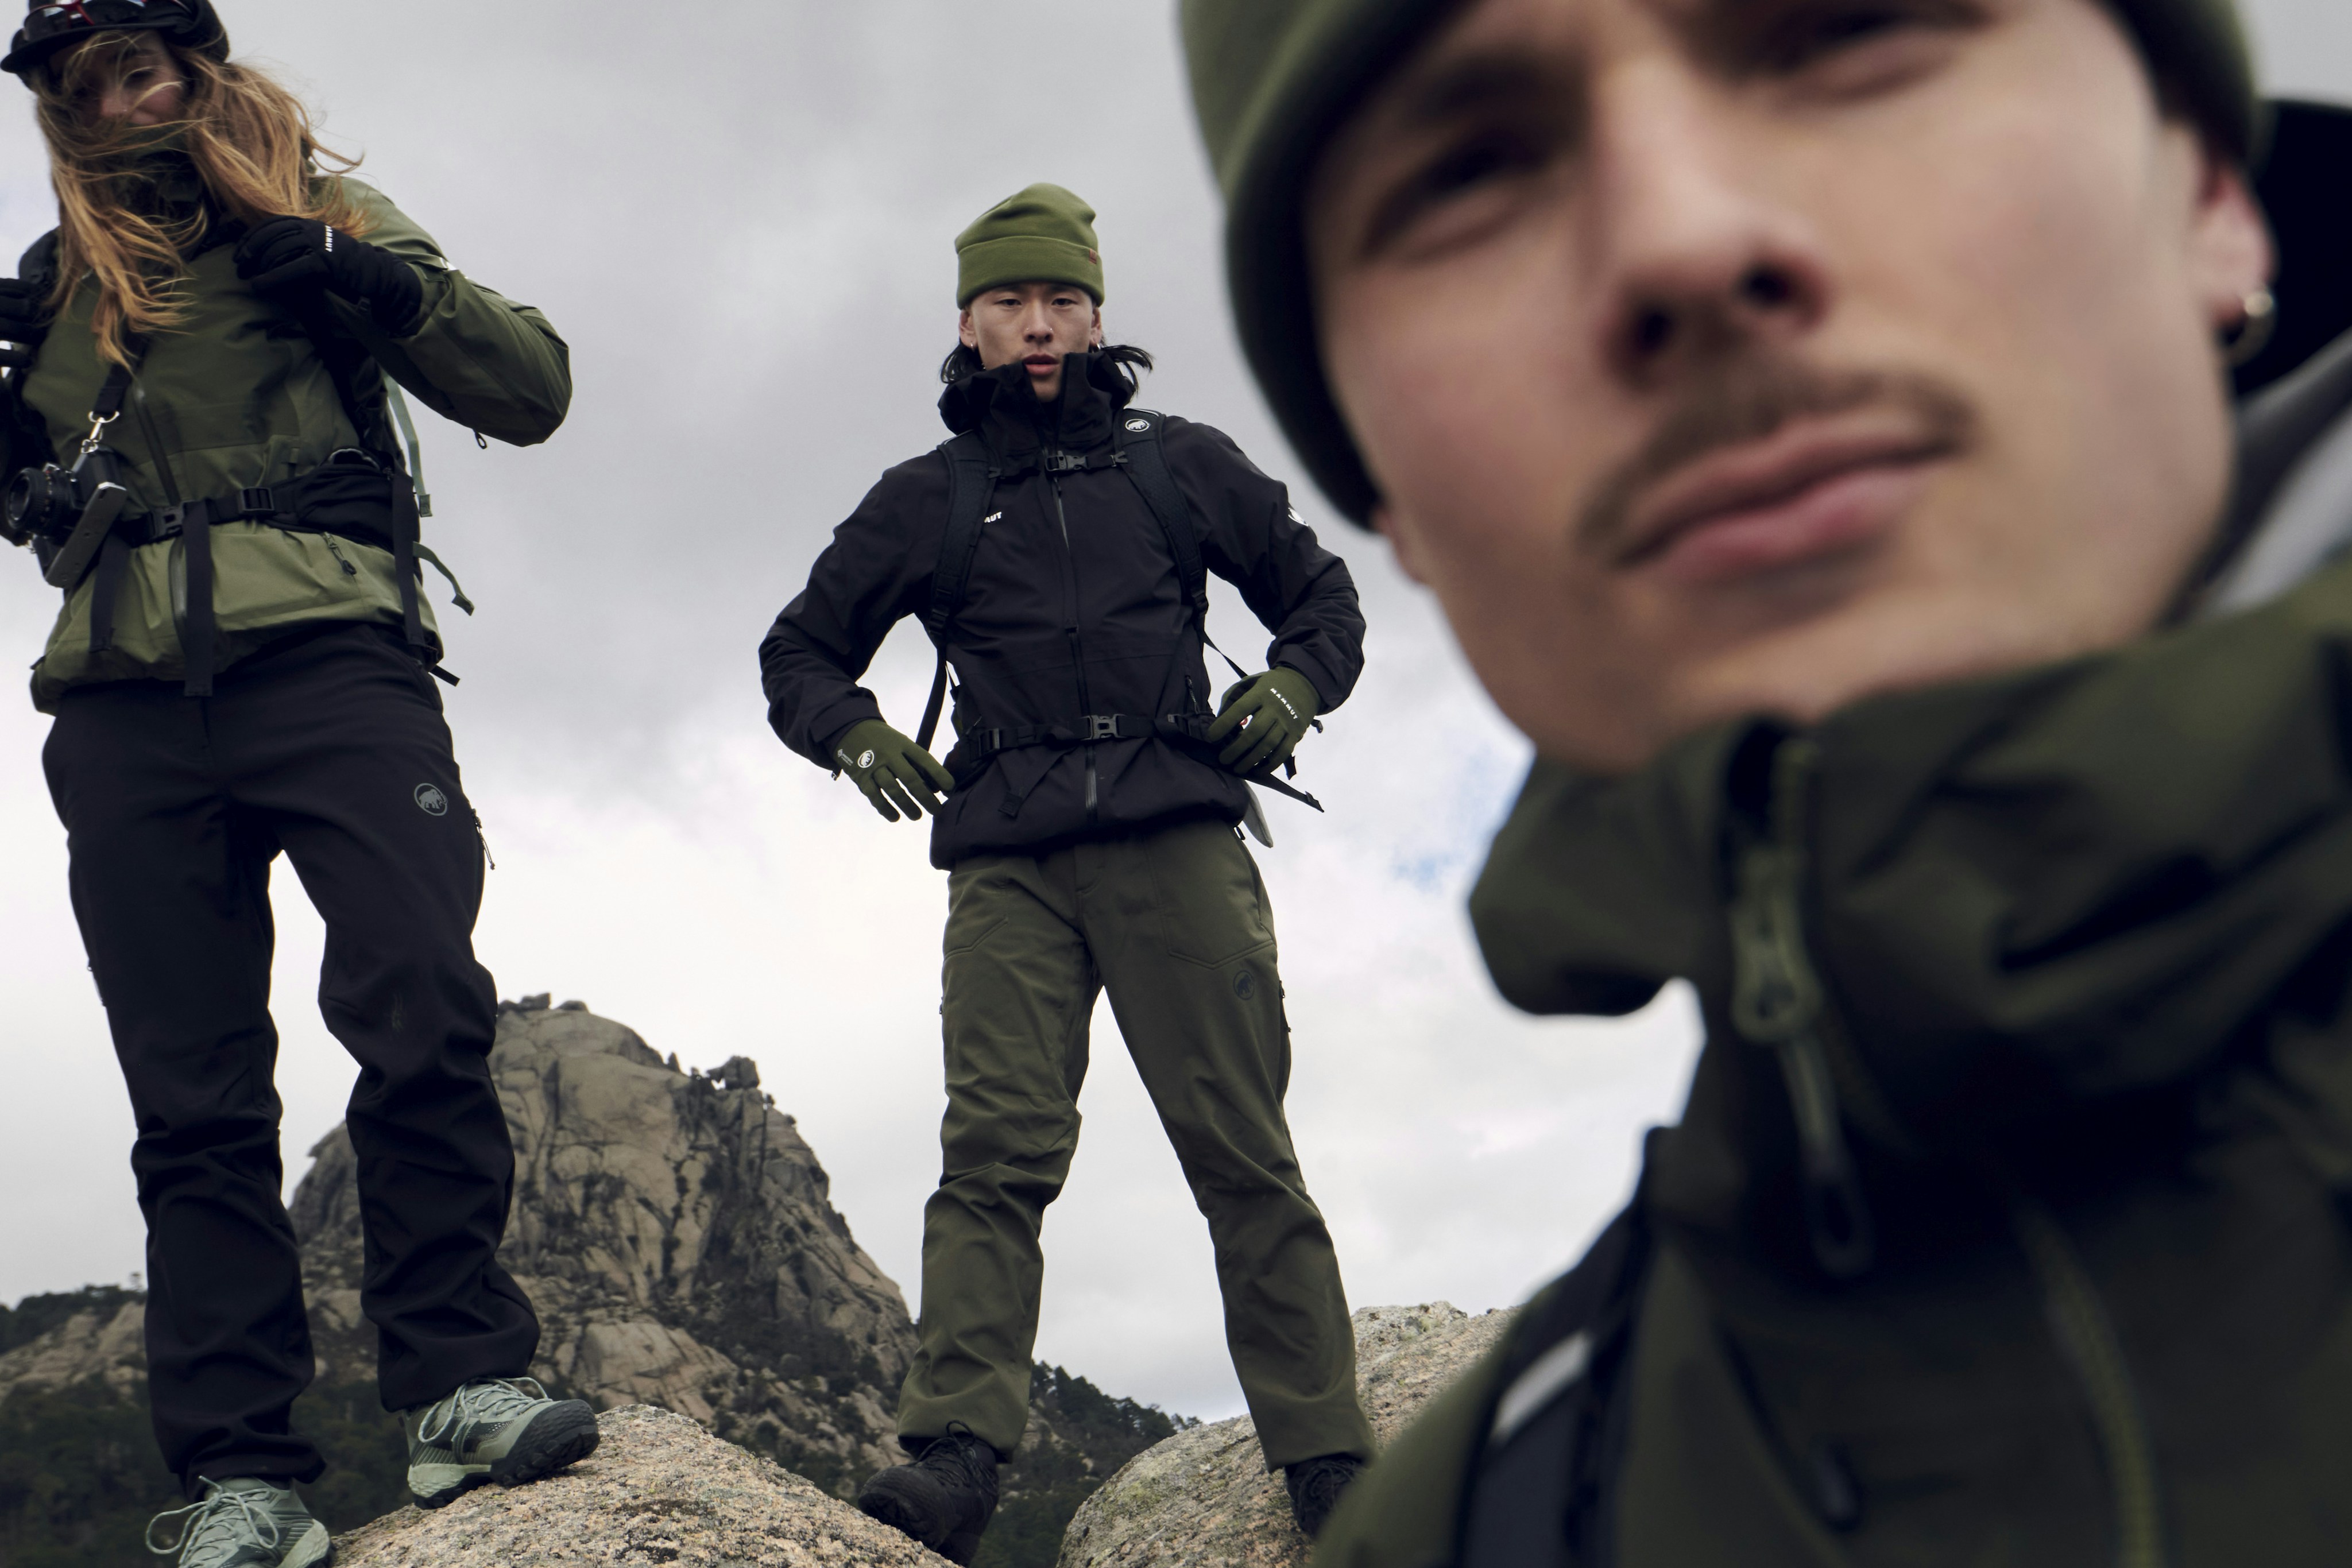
894, 773
23, 320
285, 256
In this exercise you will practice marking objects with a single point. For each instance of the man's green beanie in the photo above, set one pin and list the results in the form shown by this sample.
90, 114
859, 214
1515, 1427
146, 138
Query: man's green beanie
1273, 79
1045, 235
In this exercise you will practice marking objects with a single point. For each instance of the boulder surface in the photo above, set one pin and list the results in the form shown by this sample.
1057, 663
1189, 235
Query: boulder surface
1203, 1498
659, 1490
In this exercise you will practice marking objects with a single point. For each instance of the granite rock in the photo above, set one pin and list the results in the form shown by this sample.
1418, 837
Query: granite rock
659, 1489
1205, 1498
675, 1232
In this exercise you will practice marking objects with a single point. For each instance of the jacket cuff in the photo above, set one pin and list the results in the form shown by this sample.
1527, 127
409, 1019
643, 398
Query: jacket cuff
1317, 676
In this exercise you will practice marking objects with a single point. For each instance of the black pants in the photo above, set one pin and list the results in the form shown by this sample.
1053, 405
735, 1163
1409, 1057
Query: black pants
332, 748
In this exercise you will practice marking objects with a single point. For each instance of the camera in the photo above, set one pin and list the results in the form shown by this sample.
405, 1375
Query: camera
65, 513
45, 503
41, 504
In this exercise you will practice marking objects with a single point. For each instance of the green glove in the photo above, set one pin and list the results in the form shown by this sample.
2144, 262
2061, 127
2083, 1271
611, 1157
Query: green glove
1265, 718
893, 770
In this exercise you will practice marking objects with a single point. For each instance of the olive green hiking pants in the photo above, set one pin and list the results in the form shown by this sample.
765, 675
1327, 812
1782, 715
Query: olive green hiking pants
1173, 923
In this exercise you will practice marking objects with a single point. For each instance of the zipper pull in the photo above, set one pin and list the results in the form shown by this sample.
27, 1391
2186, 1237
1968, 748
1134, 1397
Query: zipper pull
349, 569
1777, 1002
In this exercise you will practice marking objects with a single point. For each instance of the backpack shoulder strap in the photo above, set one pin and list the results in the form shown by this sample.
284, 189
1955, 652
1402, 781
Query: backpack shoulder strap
1145, 463
1139, 453
972, 482
39, 262
1558, 1435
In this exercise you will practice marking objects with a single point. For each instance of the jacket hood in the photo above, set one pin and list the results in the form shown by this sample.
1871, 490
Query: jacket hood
1000, 405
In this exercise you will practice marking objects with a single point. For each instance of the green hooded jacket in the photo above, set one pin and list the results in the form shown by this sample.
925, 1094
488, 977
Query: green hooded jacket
2063, 961
239, 397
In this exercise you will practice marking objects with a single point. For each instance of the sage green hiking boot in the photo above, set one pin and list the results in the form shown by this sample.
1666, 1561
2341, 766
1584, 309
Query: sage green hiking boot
243, 1523
502, 1429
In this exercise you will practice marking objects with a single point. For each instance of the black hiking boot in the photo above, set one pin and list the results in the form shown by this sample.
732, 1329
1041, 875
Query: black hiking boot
944, 1499
1315, 1488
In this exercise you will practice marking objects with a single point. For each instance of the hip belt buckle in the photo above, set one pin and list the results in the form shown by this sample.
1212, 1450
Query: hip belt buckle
1102, 727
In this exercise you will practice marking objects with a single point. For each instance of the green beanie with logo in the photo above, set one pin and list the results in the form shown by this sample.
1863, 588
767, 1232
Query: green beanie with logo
1273, 79
1045, 235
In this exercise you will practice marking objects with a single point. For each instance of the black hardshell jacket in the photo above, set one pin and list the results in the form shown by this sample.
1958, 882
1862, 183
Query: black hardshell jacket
1073, 608
2070, 951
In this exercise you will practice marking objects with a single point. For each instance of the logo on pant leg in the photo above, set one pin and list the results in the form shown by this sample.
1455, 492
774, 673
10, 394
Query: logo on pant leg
431, 801
1245, 984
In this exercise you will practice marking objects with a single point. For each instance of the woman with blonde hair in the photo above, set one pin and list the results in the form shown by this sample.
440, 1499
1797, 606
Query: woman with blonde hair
196, 437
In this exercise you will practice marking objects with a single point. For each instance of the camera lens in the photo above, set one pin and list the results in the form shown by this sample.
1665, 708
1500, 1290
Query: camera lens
12, 512
40, 501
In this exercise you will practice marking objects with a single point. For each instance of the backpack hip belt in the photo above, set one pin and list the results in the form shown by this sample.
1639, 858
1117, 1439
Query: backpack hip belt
368, 504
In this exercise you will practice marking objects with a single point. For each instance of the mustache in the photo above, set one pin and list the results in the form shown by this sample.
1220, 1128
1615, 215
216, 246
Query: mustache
1753, 399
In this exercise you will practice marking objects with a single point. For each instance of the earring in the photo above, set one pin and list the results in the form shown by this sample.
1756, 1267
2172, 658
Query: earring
2255, 330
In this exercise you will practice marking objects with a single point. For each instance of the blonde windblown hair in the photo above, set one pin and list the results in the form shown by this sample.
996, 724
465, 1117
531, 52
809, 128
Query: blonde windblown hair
253, 147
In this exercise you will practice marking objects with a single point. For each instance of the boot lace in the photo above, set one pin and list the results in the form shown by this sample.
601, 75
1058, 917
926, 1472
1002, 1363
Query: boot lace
484, 1406
959, 1453
223, 1519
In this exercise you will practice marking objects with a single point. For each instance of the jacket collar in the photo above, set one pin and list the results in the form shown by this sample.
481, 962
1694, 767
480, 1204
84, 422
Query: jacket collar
2036, 865
999, 404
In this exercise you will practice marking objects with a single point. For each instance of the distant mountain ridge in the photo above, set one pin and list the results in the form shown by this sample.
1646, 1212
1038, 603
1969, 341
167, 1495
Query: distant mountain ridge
677, 1235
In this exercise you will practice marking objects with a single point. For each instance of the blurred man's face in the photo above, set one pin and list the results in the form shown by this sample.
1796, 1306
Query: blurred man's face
1717, 357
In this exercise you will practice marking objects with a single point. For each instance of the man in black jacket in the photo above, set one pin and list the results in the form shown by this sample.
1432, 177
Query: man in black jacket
1055, 550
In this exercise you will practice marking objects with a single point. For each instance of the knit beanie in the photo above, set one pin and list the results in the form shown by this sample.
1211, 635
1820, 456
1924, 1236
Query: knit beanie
1273, 79
1045, 235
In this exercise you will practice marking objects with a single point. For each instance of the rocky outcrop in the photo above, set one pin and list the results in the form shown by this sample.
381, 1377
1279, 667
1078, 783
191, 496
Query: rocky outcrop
1203, 1498
677, 1235
101, 1345
675, 1232
659, 1490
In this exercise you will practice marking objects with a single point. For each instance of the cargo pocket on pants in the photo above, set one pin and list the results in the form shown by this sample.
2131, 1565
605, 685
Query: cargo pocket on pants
1212, 904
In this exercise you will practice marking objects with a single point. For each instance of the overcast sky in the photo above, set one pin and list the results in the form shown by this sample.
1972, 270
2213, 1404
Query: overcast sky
741, 215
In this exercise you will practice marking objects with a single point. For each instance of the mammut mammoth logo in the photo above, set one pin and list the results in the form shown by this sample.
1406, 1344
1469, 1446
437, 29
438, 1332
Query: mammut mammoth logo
865, 759
1245, 984
431, 801
1138, 426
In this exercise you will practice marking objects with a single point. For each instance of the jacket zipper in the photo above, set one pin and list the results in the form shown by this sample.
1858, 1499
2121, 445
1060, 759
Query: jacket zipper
1777, 1001
2087, 1337
1070, 630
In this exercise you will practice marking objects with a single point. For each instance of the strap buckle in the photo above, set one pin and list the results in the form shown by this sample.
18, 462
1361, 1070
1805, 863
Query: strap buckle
257, 502
1102, 727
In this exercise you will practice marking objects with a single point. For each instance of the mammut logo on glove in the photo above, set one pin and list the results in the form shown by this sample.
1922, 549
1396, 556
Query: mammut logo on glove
431, 801
864, 761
